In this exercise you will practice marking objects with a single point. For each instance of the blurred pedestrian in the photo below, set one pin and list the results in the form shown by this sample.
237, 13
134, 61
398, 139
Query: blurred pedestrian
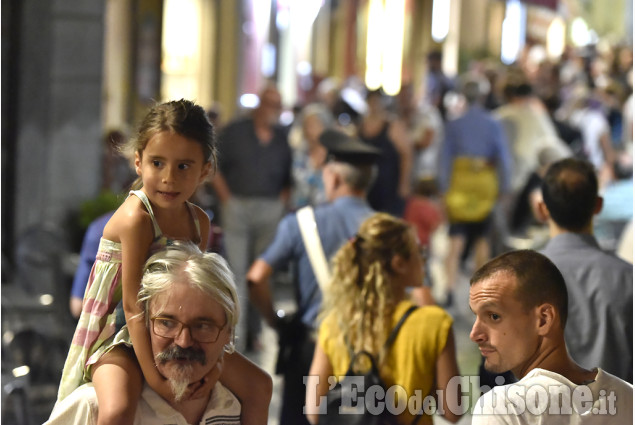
474, 173
380, 129
600, 284
437, 83
309, 156
253, 187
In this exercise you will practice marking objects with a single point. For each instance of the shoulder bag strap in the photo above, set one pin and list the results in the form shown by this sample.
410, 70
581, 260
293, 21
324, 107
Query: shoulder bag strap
313, 246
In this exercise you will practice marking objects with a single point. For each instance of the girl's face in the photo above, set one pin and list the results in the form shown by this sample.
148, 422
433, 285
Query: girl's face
171, 167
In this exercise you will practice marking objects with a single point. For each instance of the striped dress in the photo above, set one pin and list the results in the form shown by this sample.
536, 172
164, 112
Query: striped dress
95, 332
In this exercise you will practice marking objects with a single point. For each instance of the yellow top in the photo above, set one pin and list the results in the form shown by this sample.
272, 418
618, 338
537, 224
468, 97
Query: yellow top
410, 362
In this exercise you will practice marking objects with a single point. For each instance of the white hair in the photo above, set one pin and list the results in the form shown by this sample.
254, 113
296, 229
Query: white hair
183, 261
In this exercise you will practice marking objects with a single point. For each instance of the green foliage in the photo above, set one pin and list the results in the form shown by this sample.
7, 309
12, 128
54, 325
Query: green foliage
91, 209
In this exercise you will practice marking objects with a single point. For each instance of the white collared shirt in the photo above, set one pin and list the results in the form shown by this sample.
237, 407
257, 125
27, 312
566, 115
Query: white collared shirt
81, 408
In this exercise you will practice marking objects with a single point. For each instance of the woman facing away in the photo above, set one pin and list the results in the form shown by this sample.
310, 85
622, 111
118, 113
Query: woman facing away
366, 299
174, 152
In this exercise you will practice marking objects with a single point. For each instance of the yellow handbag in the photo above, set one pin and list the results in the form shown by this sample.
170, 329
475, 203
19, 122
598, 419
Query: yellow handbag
473, 189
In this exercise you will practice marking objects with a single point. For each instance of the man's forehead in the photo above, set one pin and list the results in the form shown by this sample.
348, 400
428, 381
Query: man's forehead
497, 290
182, 298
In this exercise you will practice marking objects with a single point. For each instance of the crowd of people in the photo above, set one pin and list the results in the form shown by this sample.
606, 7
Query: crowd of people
346, 200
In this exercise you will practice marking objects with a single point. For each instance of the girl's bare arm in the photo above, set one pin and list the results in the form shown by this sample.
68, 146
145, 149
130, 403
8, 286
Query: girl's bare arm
252, 385
136, 236
317, 383
447, 369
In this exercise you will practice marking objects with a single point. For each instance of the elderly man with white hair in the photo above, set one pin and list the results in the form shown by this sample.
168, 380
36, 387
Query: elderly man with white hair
191, 308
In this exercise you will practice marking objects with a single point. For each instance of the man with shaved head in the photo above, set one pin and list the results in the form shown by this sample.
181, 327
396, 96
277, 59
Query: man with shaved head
520, 304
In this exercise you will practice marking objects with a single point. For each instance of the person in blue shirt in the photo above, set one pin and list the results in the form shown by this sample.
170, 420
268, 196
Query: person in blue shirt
474, 172
87, 255
347, 174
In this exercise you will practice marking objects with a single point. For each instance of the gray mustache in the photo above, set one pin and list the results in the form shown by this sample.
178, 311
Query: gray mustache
177, 353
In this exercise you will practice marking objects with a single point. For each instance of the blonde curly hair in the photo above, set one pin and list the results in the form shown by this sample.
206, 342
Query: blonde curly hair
361, 297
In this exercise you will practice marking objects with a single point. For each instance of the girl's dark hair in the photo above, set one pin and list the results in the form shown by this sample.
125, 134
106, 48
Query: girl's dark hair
182, 117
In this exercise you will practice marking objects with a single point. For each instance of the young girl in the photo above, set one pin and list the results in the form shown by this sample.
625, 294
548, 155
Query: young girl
365, 301
174, 152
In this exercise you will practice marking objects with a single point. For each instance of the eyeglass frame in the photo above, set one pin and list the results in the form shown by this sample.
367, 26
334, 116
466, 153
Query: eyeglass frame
189, 327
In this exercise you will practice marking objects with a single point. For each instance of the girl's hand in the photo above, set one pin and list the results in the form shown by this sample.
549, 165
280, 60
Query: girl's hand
204, 387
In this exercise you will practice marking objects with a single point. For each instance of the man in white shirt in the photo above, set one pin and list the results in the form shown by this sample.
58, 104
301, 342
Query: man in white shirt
520, 302
191, 308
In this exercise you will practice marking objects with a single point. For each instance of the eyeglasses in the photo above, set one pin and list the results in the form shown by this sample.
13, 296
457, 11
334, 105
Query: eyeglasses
201, 331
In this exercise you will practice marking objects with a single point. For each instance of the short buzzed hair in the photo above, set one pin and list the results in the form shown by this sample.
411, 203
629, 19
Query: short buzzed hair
538, 279
570, 192
359, 177
184, 262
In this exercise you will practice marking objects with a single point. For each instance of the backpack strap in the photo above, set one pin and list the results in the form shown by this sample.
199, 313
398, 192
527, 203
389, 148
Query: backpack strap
391, 338
393, 334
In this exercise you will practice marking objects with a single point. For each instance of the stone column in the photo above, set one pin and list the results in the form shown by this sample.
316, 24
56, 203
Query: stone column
59, 119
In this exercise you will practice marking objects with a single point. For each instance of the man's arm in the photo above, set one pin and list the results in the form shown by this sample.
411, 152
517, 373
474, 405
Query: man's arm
446, 369
260, 290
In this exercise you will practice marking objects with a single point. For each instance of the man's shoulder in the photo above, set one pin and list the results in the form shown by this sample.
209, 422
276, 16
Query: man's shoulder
344, 213
608, 381
154, 409
512, 399
289, 222
348, 203
237, 126
239, 122
565, 248
79, 407
324, 209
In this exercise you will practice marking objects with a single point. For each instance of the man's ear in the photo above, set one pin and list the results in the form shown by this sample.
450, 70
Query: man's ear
599, 203
546, 318
337, 180
137, 163
543, 211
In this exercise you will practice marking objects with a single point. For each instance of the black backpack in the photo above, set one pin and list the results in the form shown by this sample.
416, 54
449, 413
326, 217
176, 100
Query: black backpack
356, 399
